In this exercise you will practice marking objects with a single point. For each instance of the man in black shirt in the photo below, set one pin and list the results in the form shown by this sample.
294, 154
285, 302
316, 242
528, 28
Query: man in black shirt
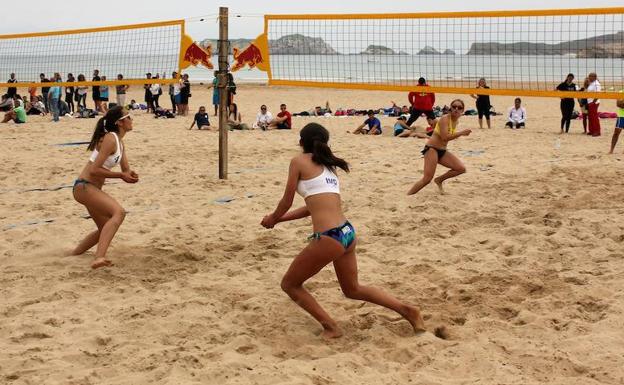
96, 90
12, 91
44, 90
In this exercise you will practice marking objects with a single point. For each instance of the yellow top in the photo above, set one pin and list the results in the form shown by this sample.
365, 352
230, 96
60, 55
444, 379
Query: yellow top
451, 128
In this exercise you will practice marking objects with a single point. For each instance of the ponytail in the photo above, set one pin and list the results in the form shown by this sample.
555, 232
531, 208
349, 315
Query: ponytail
314, 138
106, 124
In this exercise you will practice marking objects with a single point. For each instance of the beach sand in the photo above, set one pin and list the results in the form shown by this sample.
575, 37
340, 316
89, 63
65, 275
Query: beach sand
522, 261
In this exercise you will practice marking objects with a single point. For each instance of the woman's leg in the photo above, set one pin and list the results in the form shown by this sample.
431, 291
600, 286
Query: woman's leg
347, 273
92, 239
614, 138
480, 122
456, 168
99, 201
431, 162
488, 121
309, 262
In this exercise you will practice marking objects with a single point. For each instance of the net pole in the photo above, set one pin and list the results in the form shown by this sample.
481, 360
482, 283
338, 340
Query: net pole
223, 94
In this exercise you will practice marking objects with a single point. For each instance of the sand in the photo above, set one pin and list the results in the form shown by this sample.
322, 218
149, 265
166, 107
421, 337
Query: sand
521, 261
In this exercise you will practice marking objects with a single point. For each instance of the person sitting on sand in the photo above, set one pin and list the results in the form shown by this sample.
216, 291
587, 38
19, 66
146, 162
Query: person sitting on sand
201, 118
312, 174
235, 119
435, 150
371, 126
402, 130
283, 121
263, 118
35, 108
516, 116
17, 115
108, 151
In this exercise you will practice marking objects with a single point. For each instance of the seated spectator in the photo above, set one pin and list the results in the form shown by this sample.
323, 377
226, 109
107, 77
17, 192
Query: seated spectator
263, 119
17, 114
516, 116
7, 103
402, 130
201, 118
283, 121
371, 126
35, 108
235, 120
134, 105
32, 91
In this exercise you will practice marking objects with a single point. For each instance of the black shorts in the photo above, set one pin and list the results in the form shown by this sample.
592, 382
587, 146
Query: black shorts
483, 111
428, 113
511, 125
283, 126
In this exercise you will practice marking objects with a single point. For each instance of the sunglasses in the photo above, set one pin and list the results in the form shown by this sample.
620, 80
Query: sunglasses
456, 107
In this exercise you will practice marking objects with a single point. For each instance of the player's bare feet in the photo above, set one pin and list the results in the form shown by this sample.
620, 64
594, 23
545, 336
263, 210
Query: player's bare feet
331, 332
438, 182
413, 316
100, 262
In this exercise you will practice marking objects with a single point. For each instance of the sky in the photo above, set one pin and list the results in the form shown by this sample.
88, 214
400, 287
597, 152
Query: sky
41, 16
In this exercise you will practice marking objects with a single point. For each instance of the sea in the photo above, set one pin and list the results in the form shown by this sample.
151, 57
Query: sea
393, 69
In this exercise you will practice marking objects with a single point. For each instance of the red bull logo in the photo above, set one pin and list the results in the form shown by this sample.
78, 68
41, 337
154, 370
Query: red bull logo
195, 55
255, 55
250, 56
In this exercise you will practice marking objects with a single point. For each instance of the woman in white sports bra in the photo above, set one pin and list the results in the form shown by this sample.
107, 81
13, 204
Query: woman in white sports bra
108, 152
312, 175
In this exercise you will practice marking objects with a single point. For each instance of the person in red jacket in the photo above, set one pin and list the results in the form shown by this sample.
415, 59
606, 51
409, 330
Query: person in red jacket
422, 103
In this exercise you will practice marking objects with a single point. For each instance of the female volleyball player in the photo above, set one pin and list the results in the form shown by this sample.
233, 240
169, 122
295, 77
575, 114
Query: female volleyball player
435, 150
108, 152
313, 175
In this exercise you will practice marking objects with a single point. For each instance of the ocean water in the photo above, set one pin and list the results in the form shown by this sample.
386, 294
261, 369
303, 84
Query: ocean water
540, 71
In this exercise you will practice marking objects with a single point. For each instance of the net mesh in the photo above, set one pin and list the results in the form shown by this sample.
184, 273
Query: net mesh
131, 51
522, 53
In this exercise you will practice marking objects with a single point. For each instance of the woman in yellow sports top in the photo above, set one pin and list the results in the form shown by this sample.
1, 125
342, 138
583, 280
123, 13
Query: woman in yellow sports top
435, 150
312, 174
108, 152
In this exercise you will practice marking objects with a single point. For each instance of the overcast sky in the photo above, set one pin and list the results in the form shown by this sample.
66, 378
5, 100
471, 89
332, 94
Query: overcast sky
40, 15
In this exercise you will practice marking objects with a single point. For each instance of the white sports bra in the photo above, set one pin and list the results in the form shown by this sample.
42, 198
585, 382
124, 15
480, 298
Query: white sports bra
326, 182
112, 160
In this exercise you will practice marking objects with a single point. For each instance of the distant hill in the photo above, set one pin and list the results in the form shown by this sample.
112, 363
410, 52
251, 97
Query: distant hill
286, 45
604, 46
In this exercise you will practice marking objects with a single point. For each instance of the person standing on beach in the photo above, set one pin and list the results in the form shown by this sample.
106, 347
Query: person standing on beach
148, 94
422, 103
12, 91
583, 105
567, 104
69, 94
312, 174
156, 91
96, 90
104, 97
593, 105
81, 93
174, 89
619, 123
120, 91
185, 94
108, 151
215, 93
54, 96
44, 91
435, 150
483, 104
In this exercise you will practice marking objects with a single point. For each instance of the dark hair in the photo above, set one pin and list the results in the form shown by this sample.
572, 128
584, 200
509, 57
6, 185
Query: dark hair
517, 100
370, 112
313, 139
422, 81
107, 123
282, 105
234, 110
81, 78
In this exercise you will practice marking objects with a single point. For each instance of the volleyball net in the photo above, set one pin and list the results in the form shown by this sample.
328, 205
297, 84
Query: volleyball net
131, 50
518, 52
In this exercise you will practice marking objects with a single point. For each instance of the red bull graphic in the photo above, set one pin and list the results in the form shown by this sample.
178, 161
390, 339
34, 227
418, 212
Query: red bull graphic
255, 55
193, 54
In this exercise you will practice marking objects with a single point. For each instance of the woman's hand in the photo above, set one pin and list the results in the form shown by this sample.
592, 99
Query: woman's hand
268, 221
130, 177
466, 132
